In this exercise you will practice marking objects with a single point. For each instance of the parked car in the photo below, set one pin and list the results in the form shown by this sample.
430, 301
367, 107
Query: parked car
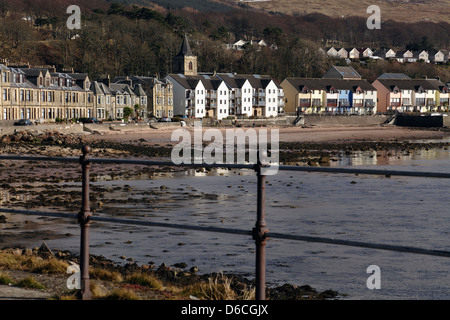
165, 119
23, 122
89, 120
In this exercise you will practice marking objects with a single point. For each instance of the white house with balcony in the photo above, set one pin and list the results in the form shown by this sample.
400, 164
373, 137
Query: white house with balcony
241, 93
189, 95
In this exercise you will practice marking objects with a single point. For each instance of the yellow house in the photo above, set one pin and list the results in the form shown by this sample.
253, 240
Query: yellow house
303, 95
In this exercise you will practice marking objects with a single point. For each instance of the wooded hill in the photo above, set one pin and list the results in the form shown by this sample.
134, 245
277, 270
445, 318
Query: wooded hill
120, 38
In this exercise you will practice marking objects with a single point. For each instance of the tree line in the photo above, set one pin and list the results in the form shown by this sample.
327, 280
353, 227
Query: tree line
118, 39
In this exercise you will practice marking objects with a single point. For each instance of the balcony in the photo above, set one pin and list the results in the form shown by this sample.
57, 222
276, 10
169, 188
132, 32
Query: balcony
420, 102
304, 103
332, 103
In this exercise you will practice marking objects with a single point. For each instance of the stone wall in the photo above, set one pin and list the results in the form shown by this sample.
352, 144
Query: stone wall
351, 121
446, 121
63, 128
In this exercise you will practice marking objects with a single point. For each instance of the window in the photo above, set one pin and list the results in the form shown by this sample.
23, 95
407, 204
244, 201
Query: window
190, 66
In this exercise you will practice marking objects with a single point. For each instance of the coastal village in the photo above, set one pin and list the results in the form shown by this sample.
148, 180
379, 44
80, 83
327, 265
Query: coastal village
43, 94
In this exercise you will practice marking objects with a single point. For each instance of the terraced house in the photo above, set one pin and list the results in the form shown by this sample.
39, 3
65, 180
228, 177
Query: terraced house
329, 96
411, 95
42, 94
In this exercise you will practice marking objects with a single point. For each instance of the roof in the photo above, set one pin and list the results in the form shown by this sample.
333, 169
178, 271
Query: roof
326, 84
139, 91
100, 88
185, 49
212, 82
119, 88
342, 72
388, 75
191, 82
411, 84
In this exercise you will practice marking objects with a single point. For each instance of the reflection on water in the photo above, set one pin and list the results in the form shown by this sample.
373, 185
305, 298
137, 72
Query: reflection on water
161, 175
415, 157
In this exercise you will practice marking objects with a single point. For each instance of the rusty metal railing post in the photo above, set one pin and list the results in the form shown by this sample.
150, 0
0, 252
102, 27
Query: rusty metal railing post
83, 219
259, 234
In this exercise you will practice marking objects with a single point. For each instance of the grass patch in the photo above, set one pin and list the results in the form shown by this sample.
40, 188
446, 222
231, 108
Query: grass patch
102, 274
122, 294
219, 288
30, 282
32, 263
144, 280
5, 279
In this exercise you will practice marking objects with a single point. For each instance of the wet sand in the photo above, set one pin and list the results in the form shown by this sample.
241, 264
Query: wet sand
162, 136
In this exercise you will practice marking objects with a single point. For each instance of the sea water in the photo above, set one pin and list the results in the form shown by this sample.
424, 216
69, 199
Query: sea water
407, 211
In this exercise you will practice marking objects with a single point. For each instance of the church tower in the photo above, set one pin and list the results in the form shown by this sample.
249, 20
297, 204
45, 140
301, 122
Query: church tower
185, 61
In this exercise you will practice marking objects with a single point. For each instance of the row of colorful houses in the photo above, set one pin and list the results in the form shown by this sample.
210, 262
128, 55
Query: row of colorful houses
349, 94
320, 96
412, 95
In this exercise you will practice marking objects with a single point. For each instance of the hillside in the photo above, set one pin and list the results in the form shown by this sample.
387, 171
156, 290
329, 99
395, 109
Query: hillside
141, 37
397, 10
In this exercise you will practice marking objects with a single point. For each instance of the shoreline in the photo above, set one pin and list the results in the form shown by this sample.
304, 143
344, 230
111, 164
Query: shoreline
319, 134
108, 278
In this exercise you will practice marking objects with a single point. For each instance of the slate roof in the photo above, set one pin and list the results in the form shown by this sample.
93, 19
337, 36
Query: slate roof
411, 84
185, 49
327, 84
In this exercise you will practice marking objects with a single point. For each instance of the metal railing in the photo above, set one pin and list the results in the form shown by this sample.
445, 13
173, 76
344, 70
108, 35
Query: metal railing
259, 232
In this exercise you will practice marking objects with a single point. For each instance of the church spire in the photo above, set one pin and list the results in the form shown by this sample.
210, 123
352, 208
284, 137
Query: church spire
185, 49
185, 61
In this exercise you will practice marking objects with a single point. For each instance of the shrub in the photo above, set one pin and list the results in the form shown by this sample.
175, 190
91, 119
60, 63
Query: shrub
30, 282
145, 280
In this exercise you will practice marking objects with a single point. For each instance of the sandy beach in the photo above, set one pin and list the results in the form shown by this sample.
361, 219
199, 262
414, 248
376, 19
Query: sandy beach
162, 136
